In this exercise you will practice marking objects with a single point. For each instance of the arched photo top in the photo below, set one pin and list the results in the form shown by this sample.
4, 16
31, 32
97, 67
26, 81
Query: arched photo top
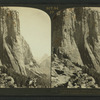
25, 46
35, 27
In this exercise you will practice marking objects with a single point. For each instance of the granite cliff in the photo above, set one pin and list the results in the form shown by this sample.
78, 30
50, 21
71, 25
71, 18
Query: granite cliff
15, 53
76, 43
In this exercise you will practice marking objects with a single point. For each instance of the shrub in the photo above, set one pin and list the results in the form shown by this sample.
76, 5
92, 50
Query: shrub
20, 80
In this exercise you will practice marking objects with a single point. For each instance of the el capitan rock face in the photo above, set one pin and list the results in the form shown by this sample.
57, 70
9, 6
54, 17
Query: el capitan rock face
14, 51
76, 38
63, 41
76, 35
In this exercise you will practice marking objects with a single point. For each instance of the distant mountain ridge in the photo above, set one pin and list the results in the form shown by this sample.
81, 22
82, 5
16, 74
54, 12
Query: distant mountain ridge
46, 64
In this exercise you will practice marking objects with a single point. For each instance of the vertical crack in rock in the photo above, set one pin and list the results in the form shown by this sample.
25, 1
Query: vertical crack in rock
1, 40
87, 36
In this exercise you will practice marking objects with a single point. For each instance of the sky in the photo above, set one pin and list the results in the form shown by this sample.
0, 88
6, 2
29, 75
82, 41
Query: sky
35, 27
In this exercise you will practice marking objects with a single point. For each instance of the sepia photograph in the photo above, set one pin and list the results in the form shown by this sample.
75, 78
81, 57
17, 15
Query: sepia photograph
35, 55
25, 48
76, 48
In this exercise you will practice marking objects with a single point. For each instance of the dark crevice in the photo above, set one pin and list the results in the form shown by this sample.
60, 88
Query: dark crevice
59, 71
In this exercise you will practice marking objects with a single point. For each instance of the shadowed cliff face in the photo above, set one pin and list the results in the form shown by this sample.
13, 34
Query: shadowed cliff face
76, 36
14, 50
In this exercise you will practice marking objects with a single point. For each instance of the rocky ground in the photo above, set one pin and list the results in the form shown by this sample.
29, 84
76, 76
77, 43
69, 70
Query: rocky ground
66, 74
7, 81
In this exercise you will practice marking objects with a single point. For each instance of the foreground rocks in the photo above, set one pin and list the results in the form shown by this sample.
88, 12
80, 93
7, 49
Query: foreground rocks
68, 75
6, 81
